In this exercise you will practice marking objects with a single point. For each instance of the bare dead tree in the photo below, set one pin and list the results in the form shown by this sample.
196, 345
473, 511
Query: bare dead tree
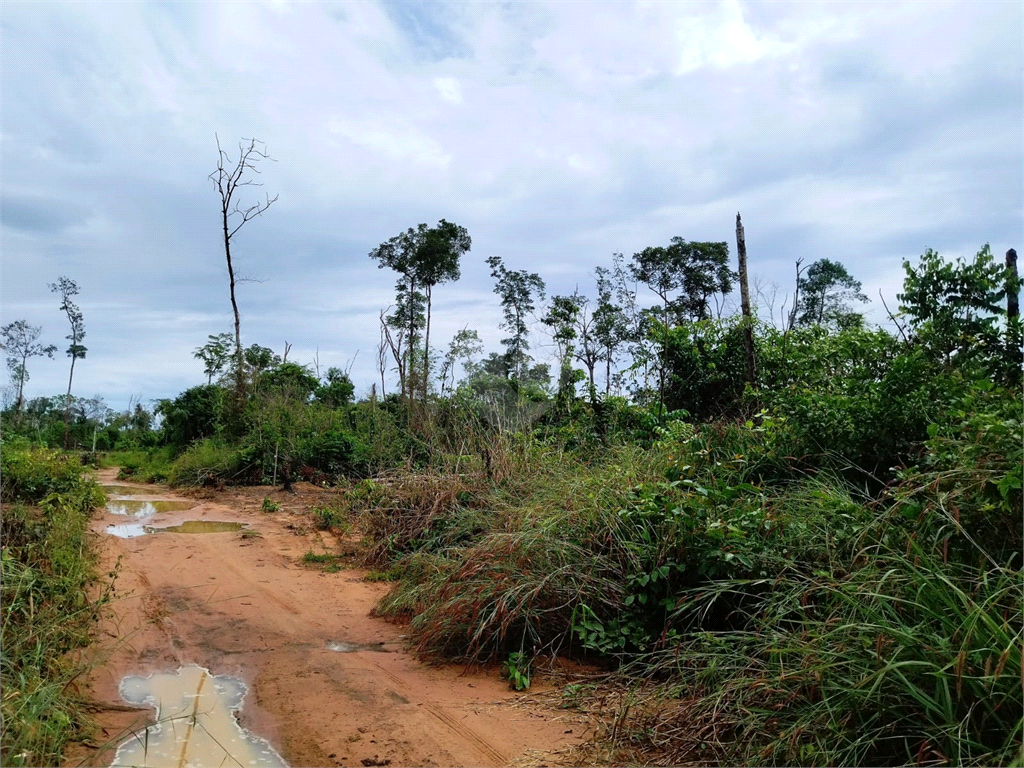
229, 176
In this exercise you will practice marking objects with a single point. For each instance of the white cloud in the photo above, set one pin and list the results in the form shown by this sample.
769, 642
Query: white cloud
557, 133
449, 89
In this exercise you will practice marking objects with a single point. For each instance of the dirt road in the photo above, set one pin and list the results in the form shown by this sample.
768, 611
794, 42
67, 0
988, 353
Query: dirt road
327, 684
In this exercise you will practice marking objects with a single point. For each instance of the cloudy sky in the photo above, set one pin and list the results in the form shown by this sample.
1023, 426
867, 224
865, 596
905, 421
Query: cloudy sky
557, 133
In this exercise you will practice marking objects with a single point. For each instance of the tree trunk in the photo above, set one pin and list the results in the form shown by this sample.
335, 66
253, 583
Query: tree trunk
748, 320
796, 297
21, 385
426, 348
239, 376
1012, 286
67, 405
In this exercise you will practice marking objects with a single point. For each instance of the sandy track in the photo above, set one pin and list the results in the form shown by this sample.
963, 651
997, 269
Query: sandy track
247, 607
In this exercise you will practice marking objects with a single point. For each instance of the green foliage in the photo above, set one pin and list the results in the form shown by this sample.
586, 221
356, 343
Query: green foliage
517, 669
336, 390
518, 291
193, 415
955, 309
216, 354
696, 270
325, 518
825, 292
46, 565
269, 505
149, 465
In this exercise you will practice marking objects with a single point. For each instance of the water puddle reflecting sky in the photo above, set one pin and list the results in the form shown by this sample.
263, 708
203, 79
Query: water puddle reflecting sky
140, 508
196, 725
131, 530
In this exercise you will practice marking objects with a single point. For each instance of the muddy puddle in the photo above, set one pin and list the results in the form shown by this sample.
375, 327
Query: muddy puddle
195, 723
130, 531
202, 526
344, 647
140, 508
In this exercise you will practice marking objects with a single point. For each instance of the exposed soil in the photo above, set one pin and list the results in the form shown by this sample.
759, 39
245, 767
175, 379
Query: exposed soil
328, 684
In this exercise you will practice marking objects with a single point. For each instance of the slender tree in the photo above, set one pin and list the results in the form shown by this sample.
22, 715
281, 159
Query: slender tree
825, 293
423, 257
229, 176
21, 341
215, 355
611, 324
519, 290
67, 288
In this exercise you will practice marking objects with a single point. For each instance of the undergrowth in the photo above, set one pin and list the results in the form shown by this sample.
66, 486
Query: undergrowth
46, 565
762, 610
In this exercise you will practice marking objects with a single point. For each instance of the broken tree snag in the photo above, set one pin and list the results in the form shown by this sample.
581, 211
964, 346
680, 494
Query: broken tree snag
1012, 285
748, 320
796, 296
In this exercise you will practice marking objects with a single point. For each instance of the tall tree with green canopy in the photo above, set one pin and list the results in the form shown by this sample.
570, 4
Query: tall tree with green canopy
611, 324
424, 257
684, 275
21, 341
826, 289
67, 288
518, 291
695, 270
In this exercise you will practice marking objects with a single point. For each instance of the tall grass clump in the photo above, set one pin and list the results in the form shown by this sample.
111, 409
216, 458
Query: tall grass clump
496, 567
904, 660
46, 565
205, 462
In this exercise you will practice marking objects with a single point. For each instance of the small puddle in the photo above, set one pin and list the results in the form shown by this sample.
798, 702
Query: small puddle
139, 508
195, 723
130, 531
344, 647
201, 526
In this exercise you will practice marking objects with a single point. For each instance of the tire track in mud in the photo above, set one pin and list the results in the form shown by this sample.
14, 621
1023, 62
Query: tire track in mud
482, 744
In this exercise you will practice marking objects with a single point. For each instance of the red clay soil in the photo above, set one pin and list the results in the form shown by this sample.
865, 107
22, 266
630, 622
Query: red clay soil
244, 604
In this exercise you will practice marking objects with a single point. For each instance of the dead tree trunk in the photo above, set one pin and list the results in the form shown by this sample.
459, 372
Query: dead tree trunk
1012, 285
748, 319
796, 296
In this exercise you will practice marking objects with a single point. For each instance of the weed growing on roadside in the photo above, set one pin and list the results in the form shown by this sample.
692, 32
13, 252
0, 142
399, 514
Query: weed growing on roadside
270, 505
517, 669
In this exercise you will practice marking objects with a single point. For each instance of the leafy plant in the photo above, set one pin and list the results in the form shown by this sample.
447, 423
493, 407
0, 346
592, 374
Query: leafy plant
517, 669
270, 505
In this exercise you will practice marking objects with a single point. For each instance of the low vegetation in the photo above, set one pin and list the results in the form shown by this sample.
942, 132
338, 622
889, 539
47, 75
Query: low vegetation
47, 566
